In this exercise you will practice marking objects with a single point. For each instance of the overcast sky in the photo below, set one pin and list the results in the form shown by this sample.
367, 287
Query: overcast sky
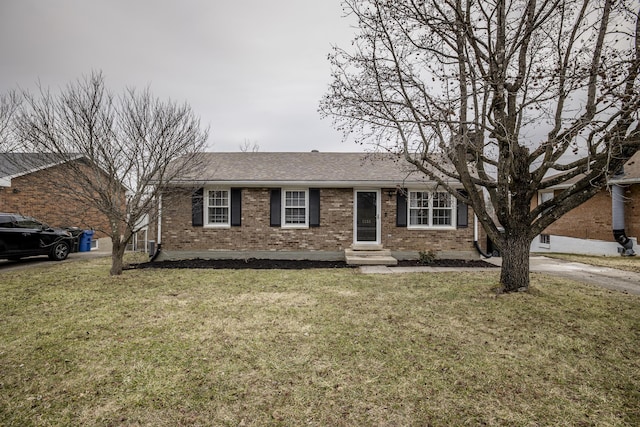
254, 70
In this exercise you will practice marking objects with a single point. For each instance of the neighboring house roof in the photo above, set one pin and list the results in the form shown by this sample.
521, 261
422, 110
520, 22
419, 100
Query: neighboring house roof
630, 175
14, 165
630, 172
305, 169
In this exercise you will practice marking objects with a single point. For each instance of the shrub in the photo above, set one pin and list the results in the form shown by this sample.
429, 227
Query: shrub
427, 257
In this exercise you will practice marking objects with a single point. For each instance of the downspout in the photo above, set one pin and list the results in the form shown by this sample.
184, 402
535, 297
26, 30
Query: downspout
475, 238
157, 252
617, 221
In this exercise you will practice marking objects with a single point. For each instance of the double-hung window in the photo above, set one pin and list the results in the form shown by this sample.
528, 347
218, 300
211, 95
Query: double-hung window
419, 208
217, 209
545, 196
295, 209
431, 209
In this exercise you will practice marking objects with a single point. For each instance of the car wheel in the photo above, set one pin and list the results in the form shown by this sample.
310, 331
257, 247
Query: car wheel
59, 251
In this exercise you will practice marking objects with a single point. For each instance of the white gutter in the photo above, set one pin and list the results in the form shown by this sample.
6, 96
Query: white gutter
624, 181
311, 184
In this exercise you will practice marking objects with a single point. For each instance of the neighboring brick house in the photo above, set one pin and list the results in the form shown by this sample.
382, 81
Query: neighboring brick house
29, 185
311, 205
588, 229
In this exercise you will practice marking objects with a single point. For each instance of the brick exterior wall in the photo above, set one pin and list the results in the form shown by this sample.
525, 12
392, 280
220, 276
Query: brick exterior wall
37, 195
334, 234
592, 219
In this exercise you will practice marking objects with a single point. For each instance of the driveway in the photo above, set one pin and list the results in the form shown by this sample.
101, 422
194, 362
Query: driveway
6, 265
610, 278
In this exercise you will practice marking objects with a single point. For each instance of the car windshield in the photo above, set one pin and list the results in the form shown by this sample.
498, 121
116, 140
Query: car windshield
30, 223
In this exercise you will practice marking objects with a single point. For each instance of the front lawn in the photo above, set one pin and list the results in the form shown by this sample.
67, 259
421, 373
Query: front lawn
311, 347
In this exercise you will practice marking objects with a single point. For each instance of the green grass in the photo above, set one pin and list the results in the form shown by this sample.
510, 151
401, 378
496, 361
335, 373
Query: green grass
619, 262
319, 348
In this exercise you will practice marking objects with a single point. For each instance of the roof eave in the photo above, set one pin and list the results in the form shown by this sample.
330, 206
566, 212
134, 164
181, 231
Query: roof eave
624, 181
305, 184
619, 181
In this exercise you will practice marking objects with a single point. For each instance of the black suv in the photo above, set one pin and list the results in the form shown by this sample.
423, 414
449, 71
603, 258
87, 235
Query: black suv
22, 236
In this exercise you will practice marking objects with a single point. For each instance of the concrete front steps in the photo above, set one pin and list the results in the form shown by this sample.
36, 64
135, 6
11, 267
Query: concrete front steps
369, 255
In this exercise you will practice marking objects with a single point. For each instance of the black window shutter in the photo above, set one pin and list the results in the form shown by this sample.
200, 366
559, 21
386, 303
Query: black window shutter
314, 207
401, 209
197, 207
275, 207
462, 213
236, 207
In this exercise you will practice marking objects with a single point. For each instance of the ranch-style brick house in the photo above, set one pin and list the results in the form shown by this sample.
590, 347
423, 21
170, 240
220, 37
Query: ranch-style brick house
367, 208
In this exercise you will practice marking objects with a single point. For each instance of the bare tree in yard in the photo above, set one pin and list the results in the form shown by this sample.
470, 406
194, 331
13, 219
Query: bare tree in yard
9, 103
498, 95
125, 144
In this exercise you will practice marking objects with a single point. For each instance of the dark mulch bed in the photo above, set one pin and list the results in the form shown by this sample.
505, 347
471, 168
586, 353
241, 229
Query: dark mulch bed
264, 264
251, 263
474, 263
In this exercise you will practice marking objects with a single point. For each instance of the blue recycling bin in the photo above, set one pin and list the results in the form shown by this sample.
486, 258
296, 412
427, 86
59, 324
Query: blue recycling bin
85, 241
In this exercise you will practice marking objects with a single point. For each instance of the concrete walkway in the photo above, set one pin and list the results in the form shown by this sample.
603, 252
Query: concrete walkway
610, 278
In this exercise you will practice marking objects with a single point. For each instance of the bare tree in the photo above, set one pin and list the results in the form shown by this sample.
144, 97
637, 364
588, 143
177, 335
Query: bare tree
249, 146
498, 95
118, 149
9, 103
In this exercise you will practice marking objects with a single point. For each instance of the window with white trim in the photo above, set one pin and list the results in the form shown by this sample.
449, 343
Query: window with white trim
431, 209
295, 208
545, 196
217, 208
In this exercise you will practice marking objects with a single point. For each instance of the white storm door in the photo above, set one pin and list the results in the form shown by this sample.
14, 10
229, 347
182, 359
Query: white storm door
367, 217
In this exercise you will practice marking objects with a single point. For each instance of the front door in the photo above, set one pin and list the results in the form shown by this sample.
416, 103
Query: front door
367, 217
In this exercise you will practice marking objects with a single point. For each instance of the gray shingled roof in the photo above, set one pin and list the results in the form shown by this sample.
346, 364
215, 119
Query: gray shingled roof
630, 175
13, 165
631, 171
322, 169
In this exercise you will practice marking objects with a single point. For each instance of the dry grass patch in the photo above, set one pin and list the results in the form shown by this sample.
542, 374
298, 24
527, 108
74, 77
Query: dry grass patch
621, 263
321, 347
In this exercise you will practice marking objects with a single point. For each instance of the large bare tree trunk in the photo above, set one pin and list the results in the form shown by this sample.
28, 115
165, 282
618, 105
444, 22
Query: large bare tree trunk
514, 274
117, 257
